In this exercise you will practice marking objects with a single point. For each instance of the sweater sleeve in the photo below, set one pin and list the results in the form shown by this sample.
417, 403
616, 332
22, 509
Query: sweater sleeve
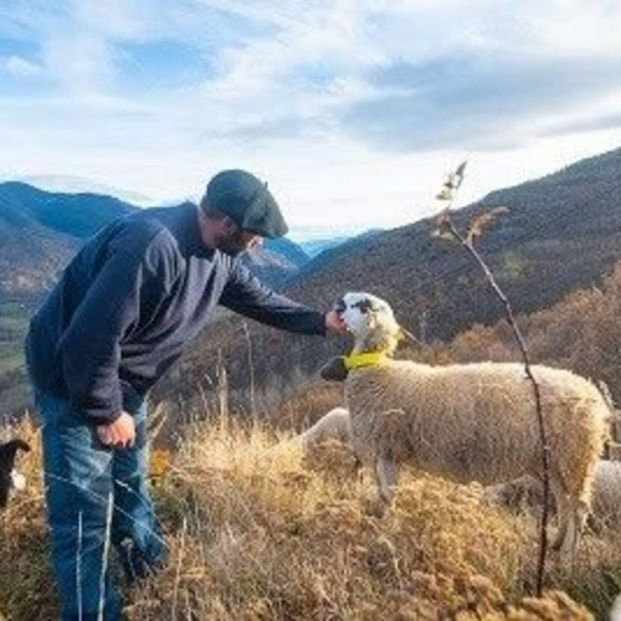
90, 347
246, 295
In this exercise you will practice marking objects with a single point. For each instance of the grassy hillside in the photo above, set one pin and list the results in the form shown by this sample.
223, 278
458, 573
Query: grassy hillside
582, 332
14, 389
561, 233
256, 532
14, 317
39, 234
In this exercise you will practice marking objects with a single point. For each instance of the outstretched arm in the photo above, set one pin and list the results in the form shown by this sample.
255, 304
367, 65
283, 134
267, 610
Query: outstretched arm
246, 295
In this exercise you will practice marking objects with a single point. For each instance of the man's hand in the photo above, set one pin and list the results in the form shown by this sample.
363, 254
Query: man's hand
334, 323
119, 434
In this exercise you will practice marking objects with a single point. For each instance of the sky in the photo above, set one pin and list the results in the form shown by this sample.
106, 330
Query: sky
353, 111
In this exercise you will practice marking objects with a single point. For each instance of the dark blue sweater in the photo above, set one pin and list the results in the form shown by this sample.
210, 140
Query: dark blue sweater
132, 299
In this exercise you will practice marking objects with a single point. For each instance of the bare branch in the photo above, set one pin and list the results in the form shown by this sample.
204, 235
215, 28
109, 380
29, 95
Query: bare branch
453, 181
447, 227
481, 221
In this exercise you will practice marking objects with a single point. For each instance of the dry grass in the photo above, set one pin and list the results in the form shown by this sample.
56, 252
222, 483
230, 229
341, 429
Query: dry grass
26, 589
307, 406
262, 533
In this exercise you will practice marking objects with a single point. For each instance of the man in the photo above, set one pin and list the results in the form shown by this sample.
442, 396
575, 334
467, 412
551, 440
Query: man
125, 308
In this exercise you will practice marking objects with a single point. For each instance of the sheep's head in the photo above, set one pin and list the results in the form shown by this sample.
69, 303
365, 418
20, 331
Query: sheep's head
371, 321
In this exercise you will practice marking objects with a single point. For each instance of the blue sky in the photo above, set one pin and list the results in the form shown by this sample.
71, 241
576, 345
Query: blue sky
352, 110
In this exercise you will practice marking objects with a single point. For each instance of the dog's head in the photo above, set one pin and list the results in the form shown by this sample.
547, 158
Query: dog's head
9, 477
371, 321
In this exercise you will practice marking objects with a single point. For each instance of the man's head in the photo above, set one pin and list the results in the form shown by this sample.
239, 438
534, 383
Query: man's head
223, 234
239, 211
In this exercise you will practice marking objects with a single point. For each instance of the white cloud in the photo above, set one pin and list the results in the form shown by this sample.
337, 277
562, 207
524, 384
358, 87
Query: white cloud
330, 100
21, 67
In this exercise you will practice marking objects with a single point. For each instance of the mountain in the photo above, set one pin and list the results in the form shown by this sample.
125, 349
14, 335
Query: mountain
79, 215
276, 262
332, 253
294, 253
562, 232
314, 247
72, 184
39, 233
339, 244
56, 224
316, 239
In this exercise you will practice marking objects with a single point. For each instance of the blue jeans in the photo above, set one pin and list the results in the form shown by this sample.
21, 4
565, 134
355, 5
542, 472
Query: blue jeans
93, 491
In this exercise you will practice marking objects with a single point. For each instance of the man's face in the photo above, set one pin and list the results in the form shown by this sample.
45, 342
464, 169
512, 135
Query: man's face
234, 241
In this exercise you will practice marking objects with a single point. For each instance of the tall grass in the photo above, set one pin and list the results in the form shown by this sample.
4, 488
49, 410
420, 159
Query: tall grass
258, 530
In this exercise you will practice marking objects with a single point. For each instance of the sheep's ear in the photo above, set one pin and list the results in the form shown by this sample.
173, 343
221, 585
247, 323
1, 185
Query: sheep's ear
334, 370
370, 312
371, 320
403, 336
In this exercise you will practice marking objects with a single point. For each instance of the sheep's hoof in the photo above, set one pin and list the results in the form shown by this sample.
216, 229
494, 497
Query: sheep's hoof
557, 542
374, 507
567, 557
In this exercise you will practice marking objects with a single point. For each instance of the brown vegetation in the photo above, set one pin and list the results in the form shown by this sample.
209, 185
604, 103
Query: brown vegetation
562, 232
582, 333
256, 534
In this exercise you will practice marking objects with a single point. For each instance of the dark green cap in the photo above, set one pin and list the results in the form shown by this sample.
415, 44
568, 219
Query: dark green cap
247, 201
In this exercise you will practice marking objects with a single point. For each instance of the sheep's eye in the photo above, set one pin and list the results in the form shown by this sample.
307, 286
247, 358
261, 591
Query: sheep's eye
364, 306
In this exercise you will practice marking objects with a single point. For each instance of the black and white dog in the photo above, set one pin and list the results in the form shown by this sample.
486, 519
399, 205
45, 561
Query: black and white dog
9, 477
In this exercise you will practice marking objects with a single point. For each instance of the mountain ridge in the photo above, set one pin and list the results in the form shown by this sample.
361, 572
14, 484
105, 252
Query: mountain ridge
562, 232
57, 223
40, 232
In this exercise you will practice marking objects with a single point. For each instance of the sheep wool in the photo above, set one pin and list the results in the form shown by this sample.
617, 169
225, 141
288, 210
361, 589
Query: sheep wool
527, 493
478, 422
334, 425
471, 421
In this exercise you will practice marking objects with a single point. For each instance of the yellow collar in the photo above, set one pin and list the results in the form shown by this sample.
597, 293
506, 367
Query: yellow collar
365, 359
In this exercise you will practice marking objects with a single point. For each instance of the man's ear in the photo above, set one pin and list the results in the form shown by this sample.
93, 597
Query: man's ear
228, 226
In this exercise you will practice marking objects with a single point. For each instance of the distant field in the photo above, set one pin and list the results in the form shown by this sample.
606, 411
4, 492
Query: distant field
11, 357
14, 318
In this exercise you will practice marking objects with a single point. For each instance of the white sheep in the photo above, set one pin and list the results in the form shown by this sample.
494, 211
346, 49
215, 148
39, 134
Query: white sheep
331, 426
526, 492
334, 425
606, 504
468, 422
615, 612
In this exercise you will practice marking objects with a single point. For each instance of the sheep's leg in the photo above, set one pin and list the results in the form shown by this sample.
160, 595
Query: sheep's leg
579, 509
386, 473
578, 515
563, 511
